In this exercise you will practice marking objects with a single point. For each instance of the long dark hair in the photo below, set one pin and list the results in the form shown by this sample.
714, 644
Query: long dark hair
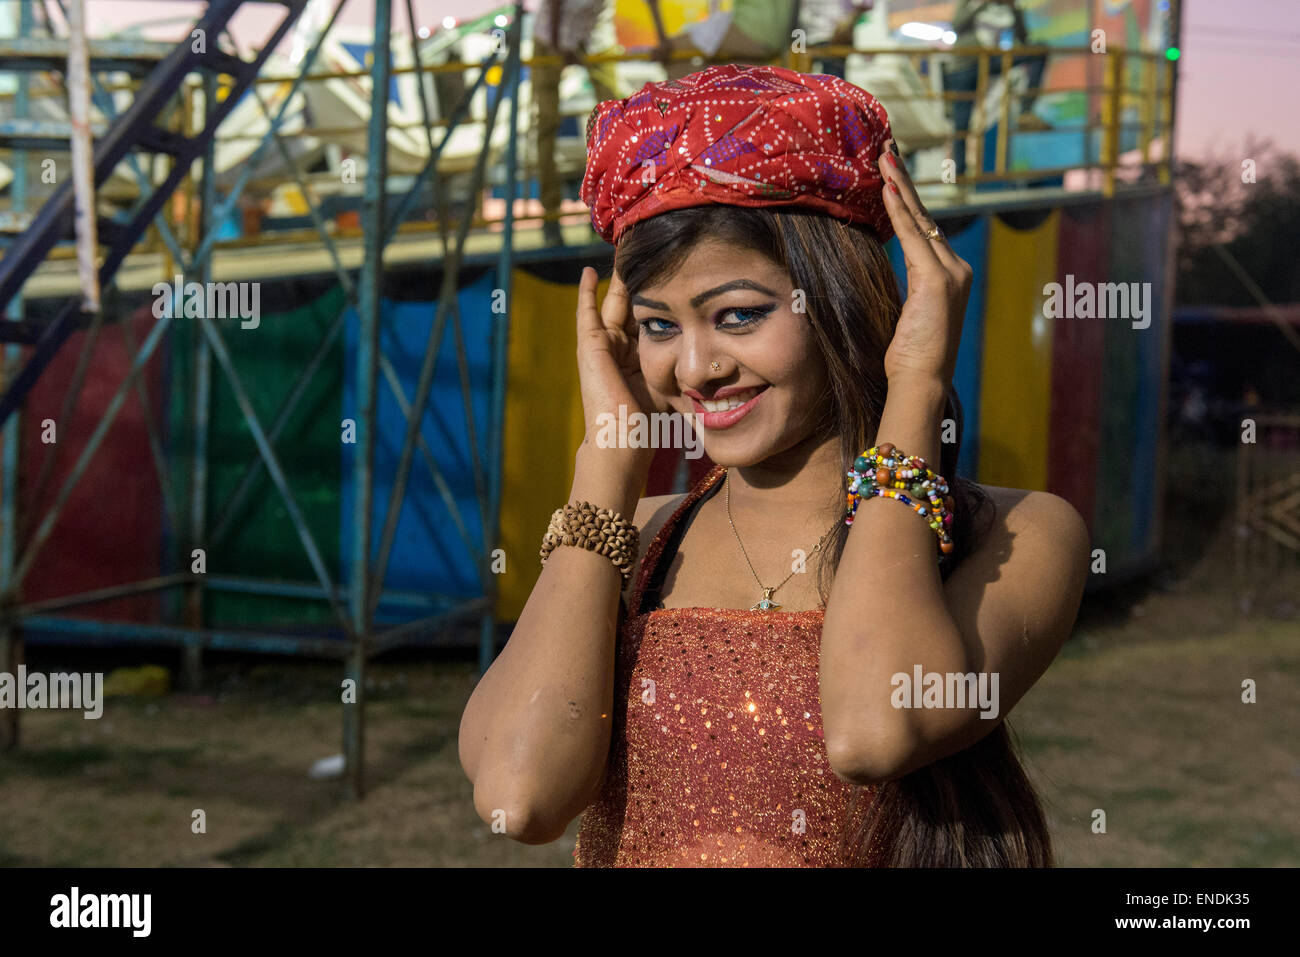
975, 808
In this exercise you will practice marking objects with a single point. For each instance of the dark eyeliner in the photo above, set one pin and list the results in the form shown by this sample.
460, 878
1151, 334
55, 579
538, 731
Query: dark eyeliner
643, 325
761, 313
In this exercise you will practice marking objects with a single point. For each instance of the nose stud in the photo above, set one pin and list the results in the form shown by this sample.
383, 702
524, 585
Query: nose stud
715, 366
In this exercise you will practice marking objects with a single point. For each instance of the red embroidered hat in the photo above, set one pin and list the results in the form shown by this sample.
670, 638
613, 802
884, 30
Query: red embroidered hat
741, 135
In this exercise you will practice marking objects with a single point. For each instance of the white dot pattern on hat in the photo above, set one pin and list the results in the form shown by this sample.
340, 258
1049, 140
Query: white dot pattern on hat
744, 135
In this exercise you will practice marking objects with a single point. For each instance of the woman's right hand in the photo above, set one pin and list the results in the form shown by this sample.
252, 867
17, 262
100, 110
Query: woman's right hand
609, 370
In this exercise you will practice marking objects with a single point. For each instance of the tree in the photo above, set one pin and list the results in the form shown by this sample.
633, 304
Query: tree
1251, 205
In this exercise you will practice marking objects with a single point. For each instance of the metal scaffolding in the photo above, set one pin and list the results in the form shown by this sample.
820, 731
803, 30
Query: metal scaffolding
164, 120
354, 636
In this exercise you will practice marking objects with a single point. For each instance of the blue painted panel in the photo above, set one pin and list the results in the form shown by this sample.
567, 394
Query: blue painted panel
971, 245
428, 552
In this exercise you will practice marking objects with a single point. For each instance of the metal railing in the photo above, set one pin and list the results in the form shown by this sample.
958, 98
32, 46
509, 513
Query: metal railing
1125, 92
354, 629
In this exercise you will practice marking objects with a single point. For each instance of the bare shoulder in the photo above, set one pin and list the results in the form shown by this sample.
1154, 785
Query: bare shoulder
1020, 508
1032, 524
654, 510
651, 514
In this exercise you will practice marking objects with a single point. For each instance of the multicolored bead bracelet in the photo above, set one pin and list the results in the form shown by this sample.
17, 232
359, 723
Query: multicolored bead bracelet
887, 472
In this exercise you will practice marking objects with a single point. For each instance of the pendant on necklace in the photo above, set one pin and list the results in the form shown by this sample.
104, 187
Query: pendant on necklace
765, 603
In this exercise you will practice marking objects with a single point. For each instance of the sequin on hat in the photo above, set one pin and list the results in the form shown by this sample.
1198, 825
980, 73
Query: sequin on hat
738, 135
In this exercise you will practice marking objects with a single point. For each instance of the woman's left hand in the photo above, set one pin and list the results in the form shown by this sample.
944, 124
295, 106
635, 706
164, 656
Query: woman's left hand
938, 284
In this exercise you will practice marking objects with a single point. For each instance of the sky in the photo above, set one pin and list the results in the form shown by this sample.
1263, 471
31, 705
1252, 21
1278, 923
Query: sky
1238, 74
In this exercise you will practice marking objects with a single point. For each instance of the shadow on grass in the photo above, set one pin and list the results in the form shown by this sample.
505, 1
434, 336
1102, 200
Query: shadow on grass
53, 763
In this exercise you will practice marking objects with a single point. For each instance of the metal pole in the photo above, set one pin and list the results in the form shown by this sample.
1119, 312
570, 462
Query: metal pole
981, 94
1150, 69
237, 189
201, 399
372, 274
11, 637
1170, 104
500, 360
83, 160
1111, 116
1004, 121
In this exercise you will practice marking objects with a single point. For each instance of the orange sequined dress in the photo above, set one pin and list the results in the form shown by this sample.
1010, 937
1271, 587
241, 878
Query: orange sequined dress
716, 757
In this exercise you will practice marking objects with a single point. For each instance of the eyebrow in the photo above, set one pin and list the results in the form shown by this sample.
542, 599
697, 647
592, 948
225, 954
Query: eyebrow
708, 294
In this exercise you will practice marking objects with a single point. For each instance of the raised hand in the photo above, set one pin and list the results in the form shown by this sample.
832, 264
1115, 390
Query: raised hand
609, 370
938, 284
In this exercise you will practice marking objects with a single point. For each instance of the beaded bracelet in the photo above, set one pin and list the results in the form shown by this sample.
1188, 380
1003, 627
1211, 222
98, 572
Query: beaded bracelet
599, 530
887, 472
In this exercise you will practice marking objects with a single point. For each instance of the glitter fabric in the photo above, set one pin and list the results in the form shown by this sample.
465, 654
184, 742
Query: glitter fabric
717, 757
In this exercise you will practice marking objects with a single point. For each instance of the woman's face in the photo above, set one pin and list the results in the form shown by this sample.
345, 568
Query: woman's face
736, 308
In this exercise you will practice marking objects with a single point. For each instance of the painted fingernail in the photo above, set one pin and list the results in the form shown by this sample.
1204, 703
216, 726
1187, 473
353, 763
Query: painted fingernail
893, 186
893, 159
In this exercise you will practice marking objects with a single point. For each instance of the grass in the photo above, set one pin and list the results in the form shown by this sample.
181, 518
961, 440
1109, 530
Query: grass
1155, 734
1148, 728
1141, 717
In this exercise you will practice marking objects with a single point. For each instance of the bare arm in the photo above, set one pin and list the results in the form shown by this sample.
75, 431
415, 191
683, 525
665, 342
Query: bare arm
1005, 612
535, 734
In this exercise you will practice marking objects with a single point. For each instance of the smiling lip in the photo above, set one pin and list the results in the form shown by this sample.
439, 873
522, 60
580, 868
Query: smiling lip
724, 420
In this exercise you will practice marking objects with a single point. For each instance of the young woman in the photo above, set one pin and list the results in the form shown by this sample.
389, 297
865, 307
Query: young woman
749, 702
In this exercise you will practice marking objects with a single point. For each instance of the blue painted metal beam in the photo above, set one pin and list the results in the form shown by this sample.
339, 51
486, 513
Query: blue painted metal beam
50, 224
372, 275
51, 53
500, 361
82, 631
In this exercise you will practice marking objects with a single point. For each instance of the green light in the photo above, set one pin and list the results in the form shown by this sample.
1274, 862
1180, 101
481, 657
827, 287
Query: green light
1173, 53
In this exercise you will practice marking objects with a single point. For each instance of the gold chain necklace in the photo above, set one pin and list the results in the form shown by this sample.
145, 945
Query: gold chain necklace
765, 603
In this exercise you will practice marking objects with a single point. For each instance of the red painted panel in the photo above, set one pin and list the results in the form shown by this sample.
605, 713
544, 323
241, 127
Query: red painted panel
109, 530
1083, 251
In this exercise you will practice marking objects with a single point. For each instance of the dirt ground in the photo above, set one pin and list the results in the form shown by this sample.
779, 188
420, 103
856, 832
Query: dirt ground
1141, 717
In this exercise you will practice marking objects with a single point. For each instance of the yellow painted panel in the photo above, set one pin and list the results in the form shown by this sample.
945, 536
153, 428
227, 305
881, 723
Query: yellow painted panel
543, 427
635, 24
1015, 396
